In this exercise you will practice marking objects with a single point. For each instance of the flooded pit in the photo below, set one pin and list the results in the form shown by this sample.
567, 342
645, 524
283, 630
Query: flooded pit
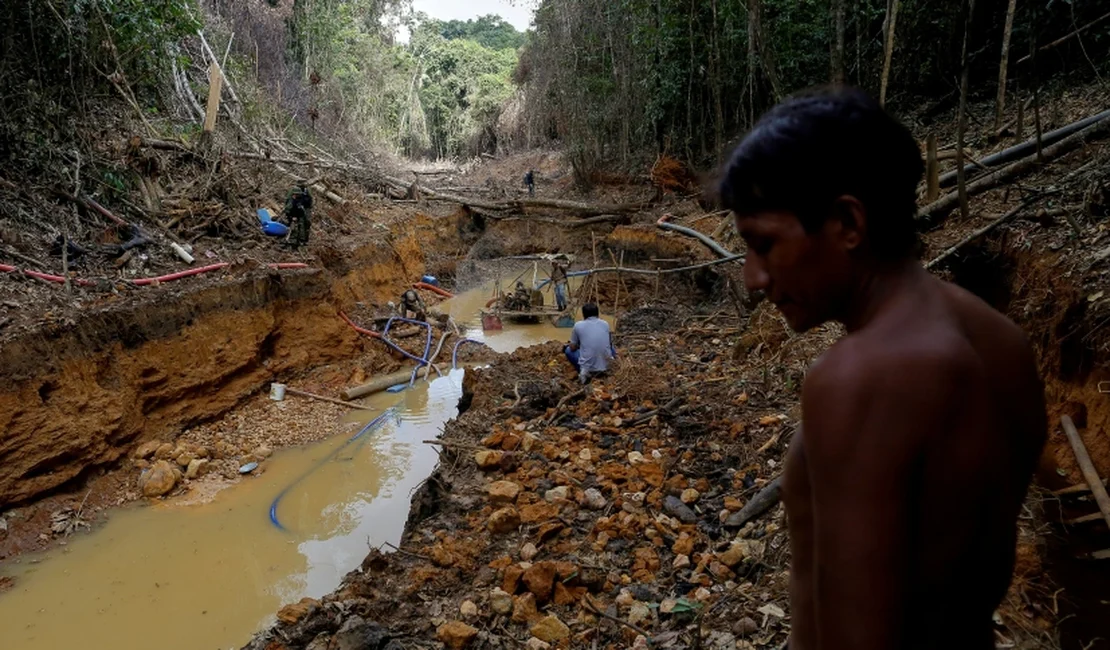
208, 575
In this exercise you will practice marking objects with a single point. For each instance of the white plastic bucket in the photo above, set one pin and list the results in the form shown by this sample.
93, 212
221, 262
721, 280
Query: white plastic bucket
277, 391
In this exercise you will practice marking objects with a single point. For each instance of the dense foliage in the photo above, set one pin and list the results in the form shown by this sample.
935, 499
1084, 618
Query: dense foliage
614, 79
56, 54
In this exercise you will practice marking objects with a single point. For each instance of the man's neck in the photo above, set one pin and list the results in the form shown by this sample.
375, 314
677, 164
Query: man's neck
879, 286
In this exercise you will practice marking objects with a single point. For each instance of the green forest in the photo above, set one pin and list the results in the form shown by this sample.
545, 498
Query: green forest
608, 81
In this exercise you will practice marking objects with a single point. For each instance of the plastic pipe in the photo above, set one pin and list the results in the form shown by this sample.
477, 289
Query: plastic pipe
455, 351
690, 232
140, 282
360, 330
422, 360
1025, 148
373, 424
434, 289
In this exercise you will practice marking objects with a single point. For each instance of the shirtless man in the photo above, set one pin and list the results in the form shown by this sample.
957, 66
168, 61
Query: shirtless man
922, 426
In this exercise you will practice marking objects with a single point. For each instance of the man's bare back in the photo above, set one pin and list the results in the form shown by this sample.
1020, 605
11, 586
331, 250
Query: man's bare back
921, 433
922, 427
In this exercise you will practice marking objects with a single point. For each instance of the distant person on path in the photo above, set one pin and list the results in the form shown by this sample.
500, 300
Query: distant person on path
559, 280
530, 182
922, 425
591, 345
298, 211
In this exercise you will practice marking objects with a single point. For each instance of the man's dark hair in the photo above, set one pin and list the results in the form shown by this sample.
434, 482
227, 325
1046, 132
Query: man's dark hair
589, 310
820, 145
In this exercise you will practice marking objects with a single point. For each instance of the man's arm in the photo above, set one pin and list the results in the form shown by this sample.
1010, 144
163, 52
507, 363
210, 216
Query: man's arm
575, 342
867, 418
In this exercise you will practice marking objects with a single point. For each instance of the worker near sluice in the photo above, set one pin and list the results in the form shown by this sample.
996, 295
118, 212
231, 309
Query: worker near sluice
411, 303
922, 425
591, 345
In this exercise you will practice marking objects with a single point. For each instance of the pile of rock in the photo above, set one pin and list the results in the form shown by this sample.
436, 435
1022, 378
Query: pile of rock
165, 465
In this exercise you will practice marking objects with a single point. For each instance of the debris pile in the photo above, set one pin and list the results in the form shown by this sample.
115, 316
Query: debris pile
563, 516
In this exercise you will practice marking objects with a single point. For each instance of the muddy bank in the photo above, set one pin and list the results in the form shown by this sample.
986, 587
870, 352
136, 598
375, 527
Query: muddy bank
80, 392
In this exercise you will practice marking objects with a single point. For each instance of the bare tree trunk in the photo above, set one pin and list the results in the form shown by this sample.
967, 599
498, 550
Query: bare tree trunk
1000, 105
837, 58
715, 72
888, 48
961, 126
753, 20
1036, 102
932, 180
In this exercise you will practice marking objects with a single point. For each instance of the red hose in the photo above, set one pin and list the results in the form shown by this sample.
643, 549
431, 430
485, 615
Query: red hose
434, 289
147, 281
360, 330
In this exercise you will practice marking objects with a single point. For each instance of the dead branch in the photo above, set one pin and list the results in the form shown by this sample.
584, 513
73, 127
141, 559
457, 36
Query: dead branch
1009, 216
767, 498
1066, 37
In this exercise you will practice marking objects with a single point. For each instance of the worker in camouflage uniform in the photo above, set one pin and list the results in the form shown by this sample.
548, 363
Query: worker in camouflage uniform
298, 212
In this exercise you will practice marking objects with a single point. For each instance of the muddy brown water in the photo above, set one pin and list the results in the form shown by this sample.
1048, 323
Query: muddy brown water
182, 575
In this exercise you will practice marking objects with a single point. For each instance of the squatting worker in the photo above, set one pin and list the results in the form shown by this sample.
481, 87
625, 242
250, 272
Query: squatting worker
412, 306
591, 344
921, 426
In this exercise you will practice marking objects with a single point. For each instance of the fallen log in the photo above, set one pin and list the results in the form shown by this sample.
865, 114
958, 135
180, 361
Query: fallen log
564, 223
1090, 474
377, 385
1016, 169
518, 205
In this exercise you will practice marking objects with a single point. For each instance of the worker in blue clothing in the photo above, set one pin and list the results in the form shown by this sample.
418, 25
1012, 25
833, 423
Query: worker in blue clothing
591, 345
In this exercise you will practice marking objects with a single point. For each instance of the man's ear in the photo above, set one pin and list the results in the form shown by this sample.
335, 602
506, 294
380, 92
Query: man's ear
851, 217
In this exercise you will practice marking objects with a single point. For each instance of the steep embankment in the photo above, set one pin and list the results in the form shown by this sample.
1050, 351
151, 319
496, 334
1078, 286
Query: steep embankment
77, 393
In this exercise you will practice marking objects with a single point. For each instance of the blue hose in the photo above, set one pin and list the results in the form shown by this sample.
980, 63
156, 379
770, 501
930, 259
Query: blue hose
455, 352
422, 360
373, 424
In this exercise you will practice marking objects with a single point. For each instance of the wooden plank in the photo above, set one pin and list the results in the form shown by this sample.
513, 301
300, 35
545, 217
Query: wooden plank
215, 82
1090, 474
932, 171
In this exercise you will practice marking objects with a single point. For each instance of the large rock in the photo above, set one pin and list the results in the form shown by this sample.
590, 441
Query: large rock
593, 499
294, 612
158, 480
540, 580
164, 451
196, 468
503, 492
504, 520
524, 608
550, 629
488, 460
147, 449
456, 634
679, 510
500, 601
359, 634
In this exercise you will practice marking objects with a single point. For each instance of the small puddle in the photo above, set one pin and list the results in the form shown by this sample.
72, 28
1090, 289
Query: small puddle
208, 576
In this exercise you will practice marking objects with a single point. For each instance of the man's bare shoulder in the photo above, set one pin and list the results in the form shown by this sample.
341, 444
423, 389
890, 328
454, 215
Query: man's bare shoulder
870, 380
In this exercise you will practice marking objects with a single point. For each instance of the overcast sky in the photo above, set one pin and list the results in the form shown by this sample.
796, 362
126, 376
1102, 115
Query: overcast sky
517, 12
